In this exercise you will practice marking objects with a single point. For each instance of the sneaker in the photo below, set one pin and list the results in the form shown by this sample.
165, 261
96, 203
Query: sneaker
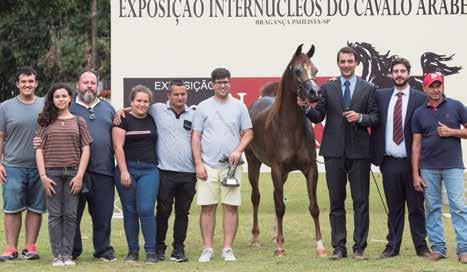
8, 256
132, 257
108, 257
68, 261
206, 255
29, 255
160, 254
227, 255
151, 258
178, 255
58, 261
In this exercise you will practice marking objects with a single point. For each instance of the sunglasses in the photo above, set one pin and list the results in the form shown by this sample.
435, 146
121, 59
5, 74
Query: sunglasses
92, 115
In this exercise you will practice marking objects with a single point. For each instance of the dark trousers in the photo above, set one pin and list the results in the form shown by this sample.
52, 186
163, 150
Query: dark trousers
178, 187
100, 201
62, 211
358, 173
399, 190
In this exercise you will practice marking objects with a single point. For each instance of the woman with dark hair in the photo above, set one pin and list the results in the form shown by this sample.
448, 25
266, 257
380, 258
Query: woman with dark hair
137, 177
62, 159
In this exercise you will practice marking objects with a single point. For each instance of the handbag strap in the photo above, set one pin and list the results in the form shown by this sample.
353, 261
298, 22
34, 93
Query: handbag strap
79, 132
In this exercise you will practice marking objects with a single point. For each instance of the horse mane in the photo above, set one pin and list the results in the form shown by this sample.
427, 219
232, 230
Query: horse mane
378, 65
432, 62
276, 107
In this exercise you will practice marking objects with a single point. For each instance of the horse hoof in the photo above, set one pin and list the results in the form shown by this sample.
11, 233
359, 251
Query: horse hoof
255, 244
321, 252
280, 252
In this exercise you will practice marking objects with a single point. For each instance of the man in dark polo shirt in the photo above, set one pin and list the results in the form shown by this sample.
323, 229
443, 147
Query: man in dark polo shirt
436, 157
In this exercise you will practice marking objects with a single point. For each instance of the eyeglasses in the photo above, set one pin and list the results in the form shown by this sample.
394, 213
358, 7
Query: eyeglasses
226, 83
92, 115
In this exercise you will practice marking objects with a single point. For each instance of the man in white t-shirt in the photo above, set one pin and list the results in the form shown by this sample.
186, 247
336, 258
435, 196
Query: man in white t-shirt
221, 127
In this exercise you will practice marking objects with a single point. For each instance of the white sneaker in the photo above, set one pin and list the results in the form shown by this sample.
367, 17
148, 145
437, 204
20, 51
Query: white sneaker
68, 261
227, 255
206, 255
58, 261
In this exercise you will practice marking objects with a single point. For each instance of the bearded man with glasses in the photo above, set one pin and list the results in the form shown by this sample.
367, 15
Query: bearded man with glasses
99, 115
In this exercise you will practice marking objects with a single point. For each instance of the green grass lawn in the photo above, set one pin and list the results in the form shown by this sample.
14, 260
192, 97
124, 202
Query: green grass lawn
299, 240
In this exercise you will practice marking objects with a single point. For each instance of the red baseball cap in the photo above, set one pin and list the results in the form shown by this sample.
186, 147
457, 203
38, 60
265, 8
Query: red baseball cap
432, 77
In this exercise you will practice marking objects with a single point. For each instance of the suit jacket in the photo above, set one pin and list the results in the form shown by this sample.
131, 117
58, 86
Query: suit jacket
378, 137
340, 137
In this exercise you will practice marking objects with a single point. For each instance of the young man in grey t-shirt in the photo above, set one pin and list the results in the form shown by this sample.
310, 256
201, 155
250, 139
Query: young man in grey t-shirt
22, 188
221, 127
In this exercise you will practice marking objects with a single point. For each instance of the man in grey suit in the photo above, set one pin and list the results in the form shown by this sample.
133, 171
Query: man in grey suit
391, 145
350, 108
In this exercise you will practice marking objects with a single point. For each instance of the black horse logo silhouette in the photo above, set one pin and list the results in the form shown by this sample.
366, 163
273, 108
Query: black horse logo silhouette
376, 66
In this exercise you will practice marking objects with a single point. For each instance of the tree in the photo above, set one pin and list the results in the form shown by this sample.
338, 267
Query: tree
53, 36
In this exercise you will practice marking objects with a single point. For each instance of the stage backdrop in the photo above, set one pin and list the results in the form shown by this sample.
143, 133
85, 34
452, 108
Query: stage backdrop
154, 41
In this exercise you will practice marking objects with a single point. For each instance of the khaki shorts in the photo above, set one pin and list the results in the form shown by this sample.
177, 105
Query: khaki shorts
208, 190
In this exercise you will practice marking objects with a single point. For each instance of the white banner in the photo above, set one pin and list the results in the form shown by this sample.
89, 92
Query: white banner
156, 40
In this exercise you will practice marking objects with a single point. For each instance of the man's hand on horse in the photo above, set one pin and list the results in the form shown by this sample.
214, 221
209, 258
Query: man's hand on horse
303, 103
351, 116
234, 158
201, 172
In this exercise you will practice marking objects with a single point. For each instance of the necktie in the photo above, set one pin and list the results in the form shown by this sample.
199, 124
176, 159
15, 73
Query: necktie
397, 132
347, 94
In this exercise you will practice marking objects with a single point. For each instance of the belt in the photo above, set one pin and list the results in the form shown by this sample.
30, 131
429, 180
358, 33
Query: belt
395, 158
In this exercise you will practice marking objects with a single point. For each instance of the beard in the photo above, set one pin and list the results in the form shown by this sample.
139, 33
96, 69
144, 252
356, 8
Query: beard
87, 98
401, 84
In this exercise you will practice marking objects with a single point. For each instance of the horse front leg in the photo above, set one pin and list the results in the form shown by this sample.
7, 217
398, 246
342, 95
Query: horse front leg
254, 166
311, 175
278, 179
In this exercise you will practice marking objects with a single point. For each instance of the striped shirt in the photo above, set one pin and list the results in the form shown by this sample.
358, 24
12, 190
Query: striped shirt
61, 143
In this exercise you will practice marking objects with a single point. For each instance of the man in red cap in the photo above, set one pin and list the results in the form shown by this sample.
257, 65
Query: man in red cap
437, 129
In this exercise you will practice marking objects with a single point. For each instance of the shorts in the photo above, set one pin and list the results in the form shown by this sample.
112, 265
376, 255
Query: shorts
210, 189
23, 190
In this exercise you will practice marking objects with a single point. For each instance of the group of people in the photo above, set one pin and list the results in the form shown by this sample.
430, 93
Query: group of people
60, 170
59, 153
415, 139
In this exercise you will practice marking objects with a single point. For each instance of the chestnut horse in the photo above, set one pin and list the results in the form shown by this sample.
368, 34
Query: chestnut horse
285, 142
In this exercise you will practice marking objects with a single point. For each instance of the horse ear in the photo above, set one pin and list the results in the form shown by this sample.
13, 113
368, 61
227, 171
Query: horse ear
299, 50
311, 52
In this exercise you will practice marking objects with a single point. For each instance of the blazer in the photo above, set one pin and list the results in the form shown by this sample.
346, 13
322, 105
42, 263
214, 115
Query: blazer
340, 137
378, 136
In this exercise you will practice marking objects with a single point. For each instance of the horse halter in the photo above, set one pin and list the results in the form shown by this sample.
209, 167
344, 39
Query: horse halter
308, 84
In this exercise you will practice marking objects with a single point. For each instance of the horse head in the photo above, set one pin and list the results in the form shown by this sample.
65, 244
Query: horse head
302, 73
432, 63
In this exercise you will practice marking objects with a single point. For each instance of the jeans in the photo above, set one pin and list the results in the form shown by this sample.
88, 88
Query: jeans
178, 187
23, 191
100, 201
454, 183
62, 207
138, 202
